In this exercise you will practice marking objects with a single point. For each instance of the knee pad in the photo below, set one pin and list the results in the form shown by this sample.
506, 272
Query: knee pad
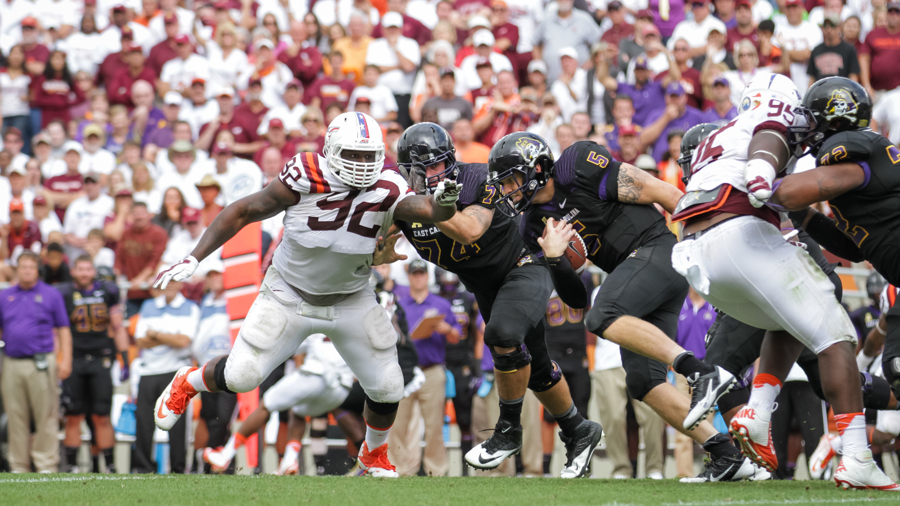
379, 329
242, 375
381, 408
638, 386
733, 399
545, 377
264, 325
513, 361
390, 385
876, 392
219, 375
599, 318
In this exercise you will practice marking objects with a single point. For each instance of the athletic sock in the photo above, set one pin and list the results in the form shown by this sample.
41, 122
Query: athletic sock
376, 437
234, 442
108, 457
95, 464
511, 410
72, 455
765, 390
292, 450
569, 420
195, 378
719, 445
547, 458
687, 364
852, 427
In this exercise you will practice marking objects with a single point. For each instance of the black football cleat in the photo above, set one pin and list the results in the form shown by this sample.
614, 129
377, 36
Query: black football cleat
730, 468
506, 441
580, 448
705, 392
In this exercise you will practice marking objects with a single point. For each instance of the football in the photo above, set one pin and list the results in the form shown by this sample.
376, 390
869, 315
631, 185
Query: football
576, 252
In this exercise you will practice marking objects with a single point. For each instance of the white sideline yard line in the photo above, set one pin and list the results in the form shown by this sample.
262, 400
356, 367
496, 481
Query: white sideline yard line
739, 502
93, 478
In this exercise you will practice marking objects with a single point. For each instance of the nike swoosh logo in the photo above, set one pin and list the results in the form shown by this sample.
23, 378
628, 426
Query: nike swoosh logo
717, 478
504, 431
563, 203
159, 413
482, 461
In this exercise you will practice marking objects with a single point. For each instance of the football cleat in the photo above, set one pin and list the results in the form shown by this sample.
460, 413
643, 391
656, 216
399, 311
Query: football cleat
824, 453
217, 460
860, 472
288, 467
705, 392
506, 441
731, 468
754, 433
174, 400
376, 463
579, 449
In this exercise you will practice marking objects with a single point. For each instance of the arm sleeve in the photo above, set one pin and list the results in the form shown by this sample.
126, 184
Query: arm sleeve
825, 232
567, 283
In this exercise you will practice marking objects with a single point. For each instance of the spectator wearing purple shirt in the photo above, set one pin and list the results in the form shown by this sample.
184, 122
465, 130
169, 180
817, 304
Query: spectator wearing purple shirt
676, 115
646, 94
30, 313
667, 19
419, 303
722, 110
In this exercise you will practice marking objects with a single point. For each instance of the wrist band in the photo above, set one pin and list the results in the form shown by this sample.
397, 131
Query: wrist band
879, 329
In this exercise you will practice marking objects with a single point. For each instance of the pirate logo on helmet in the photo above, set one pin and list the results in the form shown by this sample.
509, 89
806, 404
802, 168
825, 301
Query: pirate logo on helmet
841, 105
530, 148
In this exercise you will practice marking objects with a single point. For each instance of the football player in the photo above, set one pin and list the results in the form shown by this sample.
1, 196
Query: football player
734, 254
610, 206
335, 207
484, 249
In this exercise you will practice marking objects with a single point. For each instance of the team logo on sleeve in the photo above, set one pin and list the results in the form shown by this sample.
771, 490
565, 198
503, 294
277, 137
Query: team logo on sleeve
841, 105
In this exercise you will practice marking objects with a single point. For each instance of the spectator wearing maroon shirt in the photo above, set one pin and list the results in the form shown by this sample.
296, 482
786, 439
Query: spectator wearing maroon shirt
690, 77
276, 138
412, 28
332, 88
744, 27
242, 121
138, 254
36, 54
301, 56
18, 235
880, 54
114, 63
620, 28
165, 50
67, 187
119, 88
54, 92
506, 34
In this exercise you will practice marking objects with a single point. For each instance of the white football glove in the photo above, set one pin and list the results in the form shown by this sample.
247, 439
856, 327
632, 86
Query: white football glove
447, 193
759, 176
178, 272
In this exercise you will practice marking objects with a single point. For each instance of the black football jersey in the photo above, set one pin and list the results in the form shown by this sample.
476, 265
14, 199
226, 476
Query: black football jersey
483, 265
586, 195
870, 214
89, 316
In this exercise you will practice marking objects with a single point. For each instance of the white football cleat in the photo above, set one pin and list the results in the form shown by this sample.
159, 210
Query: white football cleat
376, 463
860, 472
753, 430
174, 400
288, 467
824, 453
216, 459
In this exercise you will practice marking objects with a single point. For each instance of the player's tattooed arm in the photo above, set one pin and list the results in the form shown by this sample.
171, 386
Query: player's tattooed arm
273, 199
468, 225
799, 191
637, 187
422, 209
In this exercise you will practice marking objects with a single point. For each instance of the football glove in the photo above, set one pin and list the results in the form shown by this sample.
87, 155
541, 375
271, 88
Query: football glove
447, 192
178, 272
759, 176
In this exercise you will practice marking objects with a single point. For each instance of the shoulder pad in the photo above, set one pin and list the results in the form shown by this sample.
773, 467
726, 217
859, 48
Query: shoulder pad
845, 147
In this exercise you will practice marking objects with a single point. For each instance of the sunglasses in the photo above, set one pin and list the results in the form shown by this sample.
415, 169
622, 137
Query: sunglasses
697, 5
310, 120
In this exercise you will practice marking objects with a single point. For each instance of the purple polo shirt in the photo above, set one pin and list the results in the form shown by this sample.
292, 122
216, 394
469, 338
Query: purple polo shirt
28, 318
690, 118
648, 98
156, 121
693, 325
676, 15
431, 349
711, 116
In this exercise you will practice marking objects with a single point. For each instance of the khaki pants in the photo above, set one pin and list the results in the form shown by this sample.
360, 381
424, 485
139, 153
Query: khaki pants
405, 437
609, 395
684, 446
486, 412
30, 394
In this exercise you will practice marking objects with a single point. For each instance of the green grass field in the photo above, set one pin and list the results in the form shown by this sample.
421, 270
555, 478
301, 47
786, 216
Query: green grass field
71, 490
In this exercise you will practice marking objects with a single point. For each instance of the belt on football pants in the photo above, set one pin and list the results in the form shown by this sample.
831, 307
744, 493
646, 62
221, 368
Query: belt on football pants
697, 235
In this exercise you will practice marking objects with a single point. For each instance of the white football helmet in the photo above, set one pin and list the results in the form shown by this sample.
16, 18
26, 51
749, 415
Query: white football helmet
766, 86
359, 132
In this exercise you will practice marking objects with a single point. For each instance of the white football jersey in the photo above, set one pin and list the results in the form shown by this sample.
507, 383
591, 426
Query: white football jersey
330, 233
721, 157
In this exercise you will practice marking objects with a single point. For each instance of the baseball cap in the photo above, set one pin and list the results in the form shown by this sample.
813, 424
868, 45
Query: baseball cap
41, 137
93, 129
70, 147
16, 204
189, 214
90, 2
448, 73
699, 2
118, 8
645, 14
255, 79
39, 200
483, 38
295, 83
568, 51
132, 48
530, 97
91, 176
650, 29
12, 131
261, 43
418, 265
537, 66
183, 39
893, 6
276, 123
208, 181
479, 21
743, 3
225, 91
222, 5
17, 168
675, 88
363, 100
127, 33
614, 5
646, 162
498, 3
392, 19
170, 18
640, 63
627, 130
172, 98
121, 191
198, 80
30, 21
721, 81
833, 19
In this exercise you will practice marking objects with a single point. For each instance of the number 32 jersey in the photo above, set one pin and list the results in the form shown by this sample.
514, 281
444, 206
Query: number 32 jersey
330, 232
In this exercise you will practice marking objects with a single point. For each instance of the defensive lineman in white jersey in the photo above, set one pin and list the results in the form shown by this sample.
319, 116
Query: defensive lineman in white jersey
335, 207
733, 253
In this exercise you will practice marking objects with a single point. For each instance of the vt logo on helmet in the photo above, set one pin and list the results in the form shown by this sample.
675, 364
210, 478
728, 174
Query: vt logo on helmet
515, 161
425, 145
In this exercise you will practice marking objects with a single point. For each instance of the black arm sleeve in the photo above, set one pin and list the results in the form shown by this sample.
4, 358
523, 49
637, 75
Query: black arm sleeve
567, 282
824, 230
